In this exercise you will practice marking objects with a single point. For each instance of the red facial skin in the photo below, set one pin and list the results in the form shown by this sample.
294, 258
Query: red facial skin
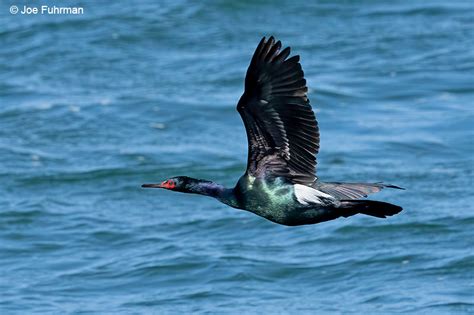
169, 184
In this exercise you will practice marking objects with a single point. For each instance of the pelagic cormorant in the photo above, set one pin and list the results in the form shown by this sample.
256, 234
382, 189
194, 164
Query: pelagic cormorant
280, 183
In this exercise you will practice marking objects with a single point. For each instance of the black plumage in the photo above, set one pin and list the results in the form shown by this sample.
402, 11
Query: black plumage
282, 131
280, 182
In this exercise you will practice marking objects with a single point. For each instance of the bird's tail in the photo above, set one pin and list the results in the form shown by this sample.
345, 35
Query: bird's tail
373, 208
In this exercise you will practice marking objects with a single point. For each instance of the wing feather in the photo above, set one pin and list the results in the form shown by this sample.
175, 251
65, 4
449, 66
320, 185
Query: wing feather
282, 131
352, 190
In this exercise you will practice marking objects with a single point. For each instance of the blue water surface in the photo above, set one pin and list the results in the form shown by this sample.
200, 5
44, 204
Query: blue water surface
94, 105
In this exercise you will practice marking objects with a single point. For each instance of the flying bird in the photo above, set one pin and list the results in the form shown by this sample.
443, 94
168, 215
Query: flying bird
280, 183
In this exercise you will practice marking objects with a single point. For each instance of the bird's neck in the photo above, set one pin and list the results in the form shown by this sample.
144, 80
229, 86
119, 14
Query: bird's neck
211, 189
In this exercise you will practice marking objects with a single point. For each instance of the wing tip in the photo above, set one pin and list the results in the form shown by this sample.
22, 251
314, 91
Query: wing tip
395, 187
272, 46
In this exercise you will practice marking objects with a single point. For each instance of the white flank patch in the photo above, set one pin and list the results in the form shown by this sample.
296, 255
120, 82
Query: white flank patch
306, 195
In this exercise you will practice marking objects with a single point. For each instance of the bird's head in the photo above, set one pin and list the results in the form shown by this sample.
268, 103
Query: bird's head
178, 183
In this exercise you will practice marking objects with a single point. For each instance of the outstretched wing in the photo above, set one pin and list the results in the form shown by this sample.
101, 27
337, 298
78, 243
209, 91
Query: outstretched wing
351, 190
282, 131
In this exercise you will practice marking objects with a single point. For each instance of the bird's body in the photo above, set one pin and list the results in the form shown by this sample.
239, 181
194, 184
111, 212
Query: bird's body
272, 199
280, 182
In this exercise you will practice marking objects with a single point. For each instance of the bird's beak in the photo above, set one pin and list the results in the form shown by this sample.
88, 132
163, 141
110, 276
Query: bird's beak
152, 185
167, 184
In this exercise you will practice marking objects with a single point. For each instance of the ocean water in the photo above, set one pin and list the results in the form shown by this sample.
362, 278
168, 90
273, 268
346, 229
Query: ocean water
94, 105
